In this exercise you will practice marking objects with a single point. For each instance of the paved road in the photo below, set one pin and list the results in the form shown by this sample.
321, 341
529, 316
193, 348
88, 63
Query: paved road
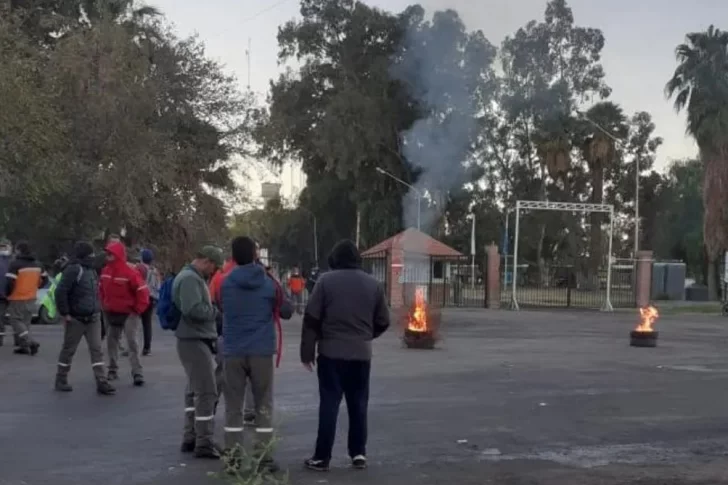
509, 398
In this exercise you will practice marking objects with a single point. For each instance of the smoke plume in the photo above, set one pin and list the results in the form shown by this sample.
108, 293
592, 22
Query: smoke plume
444, 69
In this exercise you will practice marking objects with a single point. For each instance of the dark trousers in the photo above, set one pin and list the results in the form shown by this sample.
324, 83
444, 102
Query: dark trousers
147, 318
348, 379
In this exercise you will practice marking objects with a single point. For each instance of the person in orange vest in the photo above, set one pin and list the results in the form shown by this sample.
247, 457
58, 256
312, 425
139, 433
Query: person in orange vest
25, 275
296, 285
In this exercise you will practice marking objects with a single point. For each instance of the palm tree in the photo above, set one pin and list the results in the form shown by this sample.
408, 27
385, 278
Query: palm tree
700, 87
603, 124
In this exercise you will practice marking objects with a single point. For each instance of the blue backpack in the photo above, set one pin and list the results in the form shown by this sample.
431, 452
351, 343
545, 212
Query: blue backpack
167, 312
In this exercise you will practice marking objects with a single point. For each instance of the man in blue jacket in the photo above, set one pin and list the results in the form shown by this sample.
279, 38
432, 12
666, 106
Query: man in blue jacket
252, 304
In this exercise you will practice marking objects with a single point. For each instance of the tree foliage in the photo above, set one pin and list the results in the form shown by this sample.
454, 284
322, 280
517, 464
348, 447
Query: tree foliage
700, 86
419, 97
123, 125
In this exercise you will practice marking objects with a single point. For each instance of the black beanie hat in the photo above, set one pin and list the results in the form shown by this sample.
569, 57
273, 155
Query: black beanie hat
82, 250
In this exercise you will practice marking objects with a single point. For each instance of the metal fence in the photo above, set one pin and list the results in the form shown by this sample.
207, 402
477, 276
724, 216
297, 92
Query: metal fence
378, 266
450, 281
566, 286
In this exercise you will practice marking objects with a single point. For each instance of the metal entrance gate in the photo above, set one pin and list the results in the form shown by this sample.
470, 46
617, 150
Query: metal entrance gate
564, 286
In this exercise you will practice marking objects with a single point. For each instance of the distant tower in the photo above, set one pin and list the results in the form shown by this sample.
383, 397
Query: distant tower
270, 191
247, 55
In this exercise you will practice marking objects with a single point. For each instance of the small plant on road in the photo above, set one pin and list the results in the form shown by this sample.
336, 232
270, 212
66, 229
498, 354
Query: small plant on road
241, 467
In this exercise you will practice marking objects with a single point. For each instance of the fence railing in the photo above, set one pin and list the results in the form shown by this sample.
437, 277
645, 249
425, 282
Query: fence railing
565, 286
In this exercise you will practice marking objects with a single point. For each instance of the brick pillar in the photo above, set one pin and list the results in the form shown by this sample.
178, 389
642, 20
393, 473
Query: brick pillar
643, 280
492, 281
396, 269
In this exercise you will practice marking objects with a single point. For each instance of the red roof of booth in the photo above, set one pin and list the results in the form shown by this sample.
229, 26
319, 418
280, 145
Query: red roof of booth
413, 241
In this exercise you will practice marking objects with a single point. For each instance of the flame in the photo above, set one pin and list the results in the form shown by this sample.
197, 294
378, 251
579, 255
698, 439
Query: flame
648, 317
417, 321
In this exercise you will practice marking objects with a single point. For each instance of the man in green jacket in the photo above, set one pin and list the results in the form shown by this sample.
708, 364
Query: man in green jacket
197, 345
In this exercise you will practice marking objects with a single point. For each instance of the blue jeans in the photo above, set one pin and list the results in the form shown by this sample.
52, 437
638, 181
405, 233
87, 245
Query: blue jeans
348, 379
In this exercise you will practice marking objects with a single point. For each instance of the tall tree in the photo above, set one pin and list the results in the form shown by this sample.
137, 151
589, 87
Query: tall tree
340, 114
604, 125
550, 68
131, 128
679, 228
700, 86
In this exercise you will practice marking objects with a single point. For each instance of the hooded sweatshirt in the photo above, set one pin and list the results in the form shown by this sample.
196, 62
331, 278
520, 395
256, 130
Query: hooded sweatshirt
346, 310
122, 288
251, 303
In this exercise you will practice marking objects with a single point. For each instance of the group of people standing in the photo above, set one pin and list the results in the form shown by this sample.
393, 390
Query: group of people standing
115, 302
346, 310
226, 316
93, 300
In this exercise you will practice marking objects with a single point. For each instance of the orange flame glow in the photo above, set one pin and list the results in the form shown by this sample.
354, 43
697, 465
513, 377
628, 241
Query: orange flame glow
648, 317
417, 320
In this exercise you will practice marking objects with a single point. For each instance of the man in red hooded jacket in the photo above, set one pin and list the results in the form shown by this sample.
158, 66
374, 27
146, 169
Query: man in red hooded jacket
124, 296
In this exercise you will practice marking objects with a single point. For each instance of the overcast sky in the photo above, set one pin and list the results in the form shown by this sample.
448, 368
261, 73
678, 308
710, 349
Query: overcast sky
641, 36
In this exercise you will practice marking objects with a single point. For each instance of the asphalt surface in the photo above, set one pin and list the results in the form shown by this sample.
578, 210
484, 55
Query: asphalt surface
508, 398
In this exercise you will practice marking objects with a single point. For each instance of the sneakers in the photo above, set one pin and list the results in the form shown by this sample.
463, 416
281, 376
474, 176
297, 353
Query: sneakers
34, 347
105, 389
138, 380
112, 376
21, 350
62, 384
146, 352
359, 462
316, 465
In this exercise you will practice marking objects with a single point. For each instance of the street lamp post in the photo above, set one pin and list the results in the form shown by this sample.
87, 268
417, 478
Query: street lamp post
315, 234
416, 191
636, 182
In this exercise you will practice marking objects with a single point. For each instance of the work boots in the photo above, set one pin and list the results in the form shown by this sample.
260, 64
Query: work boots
27, 348
104, 388
62, 384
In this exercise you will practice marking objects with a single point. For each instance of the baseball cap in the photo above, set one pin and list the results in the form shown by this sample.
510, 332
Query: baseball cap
212, 253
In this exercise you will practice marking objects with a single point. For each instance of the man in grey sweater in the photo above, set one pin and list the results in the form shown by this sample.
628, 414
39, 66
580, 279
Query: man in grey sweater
346, 311
197, 345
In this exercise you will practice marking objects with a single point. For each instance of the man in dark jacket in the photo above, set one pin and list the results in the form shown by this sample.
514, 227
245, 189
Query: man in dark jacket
24, 277
6, 253
346, 311
77, 300
252, 303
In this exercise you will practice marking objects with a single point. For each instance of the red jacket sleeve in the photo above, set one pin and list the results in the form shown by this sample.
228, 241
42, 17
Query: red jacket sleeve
102, 282
141, 292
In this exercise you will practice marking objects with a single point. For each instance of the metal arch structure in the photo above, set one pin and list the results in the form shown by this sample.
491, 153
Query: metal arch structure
563, 207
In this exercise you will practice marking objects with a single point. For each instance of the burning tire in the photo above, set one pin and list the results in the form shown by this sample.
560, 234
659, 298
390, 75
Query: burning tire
644, 335
643, 339
421, 323
419, 340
